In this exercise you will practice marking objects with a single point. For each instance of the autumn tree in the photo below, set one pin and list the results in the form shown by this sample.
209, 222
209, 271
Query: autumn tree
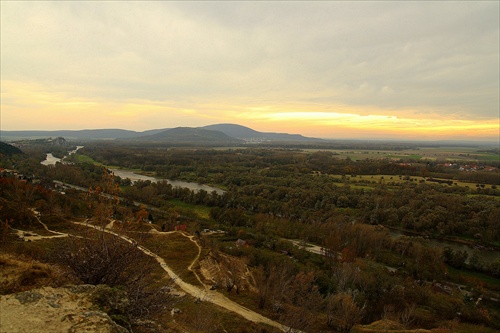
303, 300
103, 199
343, 312
273, 284
141, 215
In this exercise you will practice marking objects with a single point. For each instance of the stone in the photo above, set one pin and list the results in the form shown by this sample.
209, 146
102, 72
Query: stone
58, 310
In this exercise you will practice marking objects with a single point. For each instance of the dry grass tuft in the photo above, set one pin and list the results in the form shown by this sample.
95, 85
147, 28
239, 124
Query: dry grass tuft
22, 273
385, 326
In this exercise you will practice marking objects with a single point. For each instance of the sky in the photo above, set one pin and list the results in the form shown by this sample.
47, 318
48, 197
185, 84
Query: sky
419, 70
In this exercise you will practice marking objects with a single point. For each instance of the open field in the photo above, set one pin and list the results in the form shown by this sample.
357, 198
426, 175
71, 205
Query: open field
369, 181
417, 154
80, 158
202, 212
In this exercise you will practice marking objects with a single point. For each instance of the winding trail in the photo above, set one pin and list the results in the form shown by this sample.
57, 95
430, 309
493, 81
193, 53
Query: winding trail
205, 294
201, 294
29, 236
190, 267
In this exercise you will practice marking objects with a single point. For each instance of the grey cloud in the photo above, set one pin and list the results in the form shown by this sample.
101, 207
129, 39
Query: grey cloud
407, 54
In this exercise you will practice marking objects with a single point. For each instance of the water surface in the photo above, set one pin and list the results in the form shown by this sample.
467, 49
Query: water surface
175, 183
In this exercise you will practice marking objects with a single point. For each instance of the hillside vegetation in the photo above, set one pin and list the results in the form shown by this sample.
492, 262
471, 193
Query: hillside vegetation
312, 240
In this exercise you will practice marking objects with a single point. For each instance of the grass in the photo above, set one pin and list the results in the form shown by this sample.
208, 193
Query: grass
411, 157
79, 158
206, 317
467, 277
370, 181
177, 251
388, 326
202, 212
422, 153
57, 223
468, 328
20, 273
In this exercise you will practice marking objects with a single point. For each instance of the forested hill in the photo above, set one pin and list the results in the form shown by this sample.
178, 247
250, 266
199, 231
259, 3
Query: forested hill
248, 134
213, 133
8, 150
79, 134
189, 135
229, 134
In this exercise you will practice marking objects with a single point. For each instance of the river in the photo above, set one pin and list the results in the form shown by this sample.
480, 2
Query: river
175, 183
52, 160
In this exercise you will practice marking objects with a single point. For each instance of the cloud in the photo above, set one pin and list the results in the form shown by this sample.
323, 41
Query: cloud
228, 59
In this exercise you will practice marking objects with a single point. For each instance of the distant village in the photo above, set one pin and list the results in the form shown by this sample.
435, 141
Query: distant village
460, 167
468, 167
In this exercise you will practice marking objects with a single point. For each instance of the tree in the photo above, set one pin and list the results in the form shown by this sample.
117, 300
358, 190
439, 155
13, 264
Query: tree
343, 312
303, 301
235, 268
103, 199
455, 258
273, 284
141, 215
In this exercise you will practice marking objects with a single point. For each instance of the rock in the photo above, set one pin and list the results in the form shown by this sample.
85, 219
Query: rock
59, 310
110, 299
97, 322
28, 297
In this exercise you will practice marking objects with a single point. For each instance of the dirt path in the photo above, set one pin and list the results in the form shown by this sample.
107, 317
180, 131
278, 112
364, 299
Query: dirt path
195, 260
29, 236
313, 248
205, 294
202, 294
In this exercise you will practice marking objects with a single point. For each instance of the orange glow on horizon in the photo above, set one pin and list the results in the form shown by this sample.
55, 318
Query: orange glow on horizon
30, 106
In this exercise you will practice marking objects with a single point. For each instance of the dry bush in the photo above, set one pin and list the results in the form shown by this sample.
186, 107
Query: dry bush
98, 257
101, 258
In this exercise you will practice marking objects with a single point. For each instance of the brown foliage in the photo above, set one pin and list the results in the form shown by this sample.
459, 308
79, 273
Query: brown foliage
343, 312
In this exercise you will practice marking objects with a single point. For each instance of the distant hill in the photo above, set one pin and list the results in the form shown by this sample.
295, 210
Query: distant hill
189, 135
235, 131
217, 133
9, 150
68, 134
249, 135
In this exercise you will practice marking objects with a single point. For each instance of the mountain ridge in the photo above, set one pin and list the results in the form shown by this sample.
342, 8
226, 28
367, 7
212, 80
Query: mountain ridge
188, 134
227, 132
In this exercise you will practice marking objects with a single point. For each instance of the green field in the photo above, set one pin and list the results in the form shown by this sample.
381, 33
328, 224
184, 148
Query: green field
79, 158
369, 181
424, 153
202, 212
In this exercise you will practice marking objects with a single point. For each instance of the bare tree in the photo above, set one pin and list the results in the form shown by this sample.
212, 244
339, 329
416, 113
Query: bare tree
303, 302
273, 284
345, 274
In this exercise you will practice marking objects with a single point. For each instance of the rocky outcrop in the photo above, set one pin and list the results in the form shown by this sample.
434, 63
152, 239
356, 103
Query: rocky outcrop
216, 271
59, 141
71, 309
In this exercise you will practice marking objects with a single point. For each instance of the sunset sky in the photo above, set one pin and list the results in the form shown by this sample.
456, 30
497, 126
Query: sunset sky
397, 70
